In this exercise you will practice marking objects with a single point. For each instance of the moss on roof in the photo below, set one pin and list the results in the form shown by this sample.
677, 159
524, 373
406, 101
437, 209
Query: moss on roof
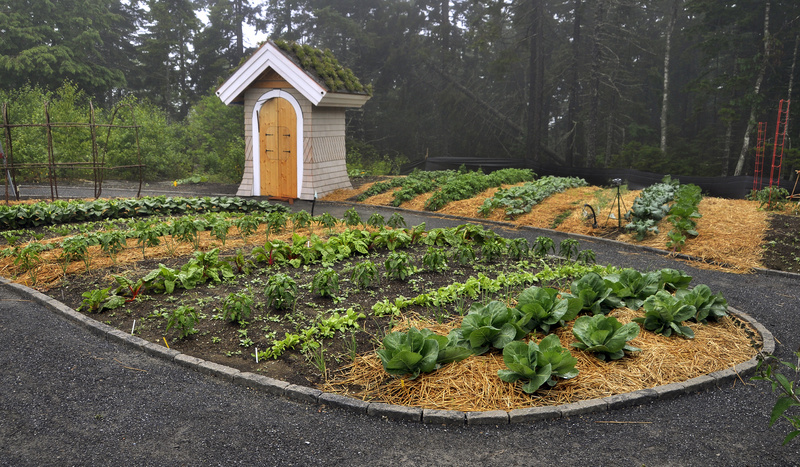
324, 66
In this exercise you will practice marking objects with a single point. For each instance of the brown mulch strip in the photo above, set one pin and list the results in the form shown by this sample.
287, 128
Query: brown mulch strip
473, 385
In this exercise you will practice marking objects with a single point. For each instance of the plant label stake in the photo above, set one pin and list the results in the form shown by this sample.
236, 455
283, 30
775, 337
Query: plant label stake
165, 342
133, 327
256, 354
313, 202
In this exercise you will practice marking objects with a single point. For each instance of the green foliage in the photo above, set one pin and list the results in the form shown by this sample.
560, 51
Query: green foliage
364, 159
467, 185
398, 266
517, 248
594, 294
464, 255
709, 306
301, 220
418, 351
351, 217
238, 307
396, 221
633, 287
673, 279
788, 394
325, 283
493, 248
75, 248
365, 274
568, 248
281, 291
664, 314
542, 309
650, 207
184, 318
275, 223
538, 364
493, 325
543, 245
324, 64
95, 301
518, 200
682, 215
112, 243
214, 139
604, 336
376, 220
28, 258
434, 259
326, 220
770, 198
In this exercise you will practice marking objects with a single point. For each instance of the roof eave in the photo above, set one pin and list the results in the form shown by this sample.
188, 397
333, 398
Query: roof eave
340, 99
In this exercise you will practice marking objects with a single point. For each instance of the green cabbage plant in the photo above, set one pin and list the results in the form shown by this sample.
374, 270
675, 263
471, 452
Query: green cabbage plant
664, 314
708, 305
594, 294
419, 351
537, 363
541, 308
633, 287
491, 325
604, 336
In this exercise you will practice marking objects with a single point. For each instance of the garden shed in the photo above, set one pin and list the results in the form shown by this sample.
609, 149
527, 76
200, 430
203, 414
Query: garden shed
294, 99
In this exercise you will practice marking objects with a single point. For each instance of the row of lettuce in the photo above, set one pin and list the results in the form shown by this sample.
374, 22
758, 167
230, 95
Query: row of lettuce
664, 296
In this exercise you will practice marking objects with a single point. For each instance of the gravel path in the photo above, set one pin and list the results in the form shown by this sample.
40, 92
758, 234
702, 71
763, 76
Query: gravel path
69, 397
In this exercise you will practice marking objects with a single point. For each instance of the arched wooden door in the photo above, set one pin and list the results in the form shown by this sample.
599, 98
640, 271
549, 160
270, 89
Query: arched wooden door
277, 124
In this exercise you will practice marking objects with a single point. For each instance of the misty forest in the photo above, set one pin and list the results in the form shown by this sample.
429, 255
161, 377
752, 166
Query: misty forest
670, 86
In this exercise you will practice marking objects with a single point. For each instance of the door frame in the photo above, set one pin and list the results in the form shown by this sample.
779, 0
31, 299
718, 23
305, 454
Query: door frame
275, 93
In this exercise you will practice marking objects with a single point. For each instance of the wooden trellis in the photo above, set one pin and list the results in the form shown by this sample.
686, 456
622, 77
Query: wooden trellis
97, 164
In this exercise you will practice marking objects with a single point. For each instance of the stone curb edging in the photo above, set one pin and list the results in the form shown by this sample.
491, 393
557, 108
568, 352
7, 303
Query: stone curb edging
403, 413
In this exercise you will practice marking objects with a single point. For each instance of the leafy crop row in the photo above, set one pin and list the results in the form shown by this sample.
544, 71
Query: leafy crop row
650, 207
469, 184
519, 200
495, 325
60, 212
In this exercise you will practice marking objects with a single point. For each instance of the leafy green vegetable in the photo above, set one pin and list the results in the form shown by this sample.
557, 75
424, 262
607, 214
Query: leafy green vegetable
708, 305
672, 279
633, 287
594, 294
537, 363
542, 309
491, 325
604, 336
418, 351
664, 314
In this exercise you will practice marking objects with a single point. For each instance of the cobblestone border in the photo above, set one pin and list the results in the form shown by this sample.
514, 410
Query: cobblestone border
397, 412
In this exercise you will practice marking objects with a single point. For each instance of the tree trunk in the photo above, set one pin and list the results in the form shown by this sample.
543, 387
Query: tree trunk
759, 79
667, 47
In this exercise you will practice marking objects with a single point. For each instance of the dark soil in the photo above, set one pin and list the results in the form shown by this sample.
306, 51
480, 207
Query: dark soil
227, 343
782, 243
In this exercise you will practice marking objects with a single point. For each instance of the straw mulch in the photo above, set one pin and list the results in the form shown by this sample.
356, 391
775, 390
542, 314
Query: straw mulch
469, 207
473, 385
343, 194
382, 199
731, 233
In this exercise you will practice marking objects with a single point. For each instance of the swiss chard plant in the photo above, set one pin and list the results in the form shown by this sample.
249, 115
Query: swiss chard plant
538, 364
604, 336
664, 314
95, 301
709, 306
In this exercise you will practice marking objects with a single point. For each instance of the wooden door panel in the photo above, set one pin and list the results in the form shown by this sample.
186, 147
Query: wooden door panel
278, 145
